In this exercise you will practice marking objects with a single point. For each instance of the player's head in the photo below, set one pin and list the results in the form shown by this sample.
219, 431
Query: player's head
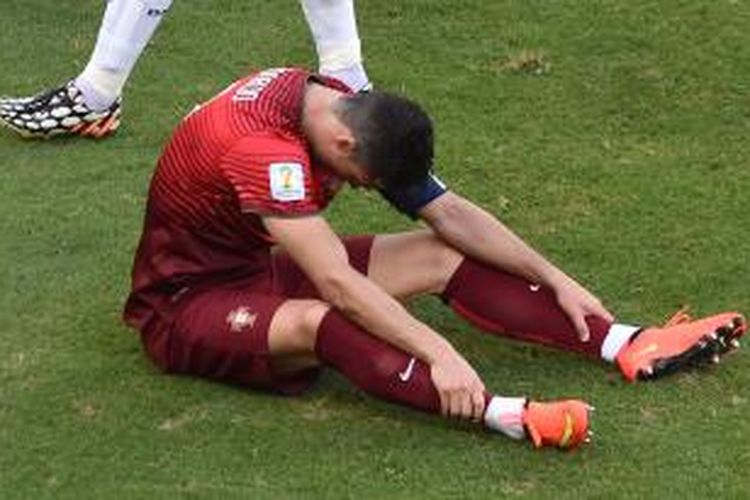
392, 137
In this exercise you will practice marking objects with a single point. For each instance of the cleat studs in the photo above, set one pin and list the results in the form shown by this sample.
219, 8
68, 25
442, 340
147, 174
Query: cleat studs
734, 344
590, 408
587, 440
715, 359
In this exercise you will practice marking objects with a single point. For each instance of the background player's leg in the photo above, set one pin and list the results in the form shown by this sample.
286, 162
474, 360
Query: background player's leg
418, 262
89, 105
125, 31
333, 25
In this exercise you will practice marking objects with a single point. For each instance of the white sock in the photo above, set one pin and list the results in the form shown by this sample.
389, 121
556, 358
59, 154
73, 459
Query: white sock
353, 76
617, 336
334, 27
126, 29
506, 415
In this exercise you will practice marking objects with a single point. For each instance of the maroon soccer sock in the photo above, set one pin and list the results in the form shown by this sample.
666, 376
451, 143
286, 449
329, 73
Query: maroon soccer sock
502, 303
386, 372
376, 367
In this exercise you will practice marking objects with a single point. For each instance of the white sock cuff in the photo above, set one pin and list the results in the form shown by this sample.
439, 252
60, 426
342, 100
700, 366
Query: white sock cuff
100, 88
506, 415
161, 5
616, 338
339, 56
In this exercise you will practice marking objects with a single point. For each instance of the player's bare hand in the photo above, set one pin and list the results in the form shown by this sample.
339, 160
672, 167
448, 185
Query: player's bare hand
460, 388
578, 303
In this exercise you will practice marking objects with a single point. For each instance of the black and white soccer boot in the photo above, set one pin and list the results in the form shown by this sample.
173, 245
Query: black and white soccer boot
58, 112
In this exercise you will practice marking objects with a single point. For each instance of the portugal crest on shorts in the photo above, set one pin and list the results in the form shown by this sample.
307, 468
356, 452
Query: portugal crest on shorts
240, 319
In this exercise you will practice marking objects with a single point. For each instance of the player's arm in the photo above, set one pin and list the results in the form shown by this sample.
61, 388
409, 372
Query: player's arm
320, 253
477, 233
472, 230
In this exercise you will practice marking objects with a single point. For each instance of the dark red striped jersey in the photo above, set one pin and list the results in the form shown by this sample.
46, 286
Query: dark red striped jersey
238, 157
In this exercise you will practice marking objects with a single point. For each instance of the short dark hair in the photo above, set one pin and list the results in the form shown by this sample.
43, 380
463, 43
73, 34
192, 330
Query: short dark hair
394, 136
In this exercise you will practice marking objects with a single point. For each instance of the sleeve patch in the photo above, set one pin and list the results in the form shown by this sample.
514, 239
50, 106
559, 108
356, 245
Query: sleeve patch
287, 181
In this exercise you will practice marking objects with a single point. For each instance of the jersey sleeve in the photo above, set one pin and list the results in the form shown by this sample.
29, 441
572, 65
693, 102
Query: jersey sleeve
272, 176
410, 199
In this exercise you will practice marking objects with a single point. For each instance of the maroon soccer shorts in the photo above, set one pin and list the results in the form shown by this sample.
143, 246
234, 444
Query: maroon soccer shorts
221, 331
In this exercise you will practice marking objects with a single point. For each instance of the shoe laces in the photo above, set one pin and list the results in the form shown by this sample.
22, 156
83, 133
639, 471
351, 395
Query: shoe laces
680, 317
43, 99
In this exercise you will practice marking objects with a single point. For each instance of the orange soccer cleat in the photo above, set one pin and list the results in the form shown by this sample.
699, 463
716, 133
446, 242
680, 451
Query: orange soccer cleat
564, 424
681, 342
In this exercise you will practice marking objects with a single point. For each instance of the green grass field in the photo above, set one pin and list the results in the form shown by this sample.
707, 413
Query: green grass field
613, 135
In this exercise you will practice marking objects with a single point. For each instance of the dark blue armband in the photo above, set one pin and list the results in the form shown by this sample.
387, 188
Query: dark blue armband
410, 199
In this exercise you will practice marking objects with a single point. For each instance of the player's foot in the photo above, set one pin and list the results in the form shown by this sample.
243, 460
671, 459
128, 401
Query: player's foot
563, 424
682, 342
55, 112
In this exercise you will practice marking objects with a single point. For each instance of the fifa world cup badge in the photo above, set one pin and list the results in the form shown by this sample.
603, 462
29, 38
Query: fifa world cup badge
287, 181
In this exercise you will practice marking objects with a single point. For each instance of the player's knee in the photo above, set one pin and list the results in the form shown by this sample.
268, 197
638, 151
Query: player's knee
442, 259
295, 326
311, 316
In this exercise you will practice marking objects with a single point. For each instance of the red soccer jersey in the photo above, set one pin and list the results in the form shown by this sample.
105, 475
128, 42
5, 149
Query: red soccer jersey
238, 157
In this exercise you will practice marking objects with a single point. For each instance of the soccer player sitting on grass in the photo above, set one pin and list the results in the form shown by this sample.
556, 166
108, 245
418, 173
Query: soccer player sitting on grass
238, 277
